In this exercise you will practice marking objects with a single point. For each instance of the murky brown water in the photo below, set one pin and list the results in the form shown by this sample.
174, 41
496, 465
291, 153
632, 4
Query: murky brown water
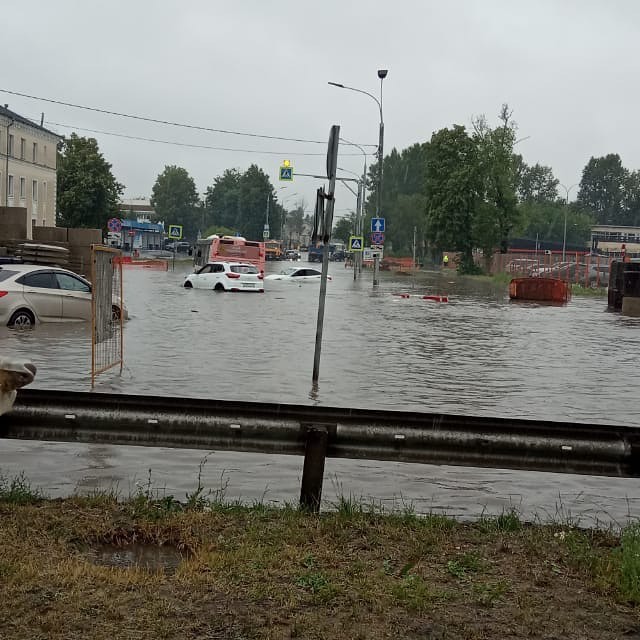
150, 557
479, 354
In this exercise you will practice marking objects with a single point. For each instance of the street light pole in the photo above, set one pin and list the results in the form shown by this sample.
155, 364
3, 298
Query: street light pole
566, 209
382, 74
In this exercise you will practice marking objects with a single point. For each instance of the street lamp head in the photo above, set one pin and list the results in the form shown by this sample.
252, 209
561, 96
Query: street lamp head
336, 84
382, 73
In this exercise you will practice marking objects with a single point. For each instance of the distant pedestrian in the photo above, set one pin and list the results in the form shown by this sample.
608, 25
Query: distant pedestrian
445, 261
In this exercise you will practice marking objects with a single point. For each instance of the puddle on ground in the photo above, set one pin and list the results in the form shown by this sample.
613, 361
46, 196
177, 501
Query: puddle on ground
151, 557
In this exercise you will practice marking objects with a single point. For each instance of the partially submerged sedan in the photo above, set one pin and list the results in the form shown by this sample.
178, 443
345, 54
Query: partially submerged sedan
31, 293
226, 276
298, 274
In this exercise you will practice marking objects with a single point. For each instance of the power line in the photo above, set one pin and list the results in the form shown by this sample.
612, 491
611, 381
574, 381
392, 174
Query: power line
165, 122
284, 154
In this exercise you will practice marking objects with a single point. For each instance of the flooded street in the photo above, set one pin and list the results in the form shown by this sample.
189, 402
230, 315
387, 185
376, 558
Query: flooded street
477, 355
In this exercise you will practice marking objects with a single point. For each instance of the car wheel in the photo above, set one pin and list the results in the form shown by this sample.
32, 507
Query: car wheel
22, 319
219, 287
188, 285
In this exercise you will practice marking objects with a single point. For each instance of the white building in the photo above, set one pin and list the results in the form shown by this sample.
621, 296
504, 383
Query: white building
28, 154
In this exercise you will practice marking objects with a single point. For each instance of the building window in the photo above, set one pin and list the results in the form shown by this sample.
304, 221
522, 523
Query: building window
23, 148
23, 188
10, 187
44, 160
35, 152
11, 144
34, 190
44, 198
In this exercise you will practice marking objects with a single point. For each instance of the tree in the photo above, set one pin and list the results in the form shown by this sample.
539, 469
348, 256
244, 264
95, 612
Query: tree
243, 201
257, 202
222, 200
534, 183
453, 185
497, 215
602, 189
404, 175
87, 192
294, 226
175, 199
345, 227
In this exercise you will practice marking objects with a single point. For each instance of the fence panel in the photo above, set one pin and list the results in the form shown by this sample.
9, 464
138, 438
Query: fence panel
107, 310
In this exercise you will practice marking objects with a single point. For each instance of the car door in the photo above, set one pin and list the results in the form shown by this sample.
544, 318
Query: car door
76, 297
199, 280
40, 290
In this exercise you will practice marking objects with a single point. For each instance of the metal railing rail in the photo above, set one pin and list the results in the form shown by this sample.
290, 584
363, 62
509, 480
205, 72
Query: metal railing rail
318, 432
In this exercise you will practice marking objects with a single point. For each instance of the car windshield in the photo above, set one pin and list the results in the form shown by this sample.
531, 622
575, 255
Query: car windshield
288, 272
243, 268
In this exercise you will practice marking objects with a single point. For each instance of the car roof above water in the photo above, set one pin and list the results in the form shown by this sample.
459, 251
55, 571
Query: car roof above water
31, 267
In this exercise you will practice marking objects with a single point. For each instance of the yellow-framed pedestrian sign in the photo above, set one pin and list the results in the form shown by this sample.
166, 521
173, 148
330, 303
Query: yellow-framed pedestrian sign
356, 243
175, 231
286, 171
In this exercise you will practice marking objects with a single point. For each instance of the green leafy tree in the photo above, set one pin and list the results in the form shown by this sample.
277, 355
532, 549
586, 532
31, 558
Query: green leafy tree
242, 201
404, 175
497, 215
344, 227
257, 200
294, 226
87, 192
222, 200
602, 189
534, 183
453, 186
175, 199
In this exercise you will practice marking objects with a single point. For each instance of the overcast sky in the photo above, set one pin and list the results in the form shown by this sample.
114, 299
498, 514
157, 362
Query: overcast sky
567, 68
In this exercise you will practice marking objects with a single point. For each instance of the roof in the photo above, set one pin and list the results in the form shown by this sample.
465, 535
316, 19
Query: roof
7, 113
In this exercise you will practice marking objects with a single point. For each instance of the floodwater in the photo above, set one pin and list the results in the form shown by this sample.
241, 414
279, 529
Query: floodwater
478, 355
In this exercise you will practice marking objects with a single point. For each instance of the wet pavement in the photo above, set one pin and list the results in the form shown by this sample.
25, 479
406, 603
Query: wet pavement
477, 355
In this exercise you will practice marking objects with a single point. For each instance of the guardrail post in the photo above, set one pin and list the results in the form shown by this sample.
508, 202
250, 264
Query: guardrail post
313, 470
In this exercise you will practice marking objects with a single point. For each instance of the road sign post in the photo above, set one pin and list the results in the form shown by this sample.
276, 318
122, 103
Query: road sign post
332, 164
356, 243
378, 228
286, 172
175, 231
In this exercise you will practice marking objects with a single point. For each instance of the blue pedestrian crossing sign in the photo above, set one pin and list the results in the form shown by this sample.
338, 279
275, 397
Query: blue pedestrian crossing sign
356, 243
377, 225
286, 171
175, 231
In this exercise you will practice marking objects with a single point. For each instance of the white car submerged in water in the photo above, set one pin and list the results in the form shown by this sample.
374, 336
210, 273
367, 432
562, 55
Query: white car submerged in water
298, 274
227, 276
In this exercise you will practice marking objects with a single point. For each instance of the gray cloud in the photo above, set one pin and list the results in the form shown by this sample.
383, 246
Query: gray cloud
566, 68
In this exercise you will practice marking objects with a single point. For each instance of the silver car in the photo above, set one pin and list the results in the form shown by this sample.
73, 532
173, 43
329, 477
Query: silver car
37, 293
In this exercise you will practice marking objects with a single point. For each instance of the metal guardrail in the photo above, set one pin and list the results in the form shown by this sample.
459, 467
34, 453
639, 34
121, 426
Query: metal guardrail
318, 432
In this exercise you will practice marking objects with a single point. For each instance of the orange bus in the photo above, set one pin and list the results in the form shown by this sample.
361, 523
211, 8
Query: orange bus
229, 249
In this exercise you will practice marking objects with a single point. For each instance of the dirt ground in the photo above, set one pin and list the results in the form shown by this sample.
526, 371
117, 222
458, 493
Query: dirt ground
277, 573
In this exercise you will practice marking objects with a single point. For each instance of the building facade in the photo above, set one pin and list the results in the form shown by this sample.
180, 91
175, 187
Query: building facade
28, 154
608, 240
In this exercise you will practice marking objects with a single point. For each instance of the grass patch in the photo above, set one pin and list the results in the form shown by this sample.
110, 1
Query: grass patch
630, 564
263, 573
18, 490
588, 292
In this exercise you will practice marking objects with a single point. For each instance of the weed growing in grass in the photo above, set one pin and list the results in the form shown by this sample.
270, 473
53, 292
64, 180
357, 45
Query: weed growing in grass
18, 490
466, 563
508, 520
319, 585
630, 563
415, 593
488, 593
